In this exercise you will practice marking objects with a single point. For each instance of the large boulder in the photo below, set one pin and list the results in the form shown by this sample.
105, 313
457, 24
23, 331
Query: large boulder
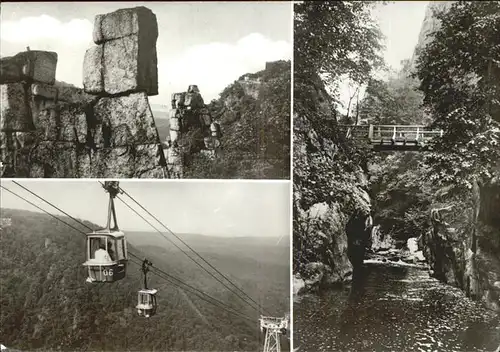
121, 66
125, 58
130, 64
44, 90
15, 112
34, 65
124, 22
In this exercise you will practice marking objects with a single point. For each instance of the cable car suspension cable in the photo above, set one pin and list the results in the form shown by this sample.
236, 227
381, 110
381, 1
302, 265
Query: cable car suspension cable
195, 252
52, 205
36, 206
163, 274
190, 257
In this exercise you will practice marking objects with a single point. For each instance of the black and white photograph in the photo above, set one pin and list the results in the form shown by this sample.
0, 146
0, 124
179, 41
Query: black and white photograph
396, 176
106, 265
146, 90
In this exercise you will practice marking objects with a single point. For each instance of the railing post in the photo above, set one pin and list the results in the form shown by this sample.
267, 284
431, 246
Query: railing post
418, 129
394, 134
440, 133
370, 132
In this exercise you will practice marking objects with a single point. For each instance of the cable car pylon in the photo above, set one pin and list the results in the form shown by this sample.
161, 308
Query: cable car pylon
273, 328
106, 252
146, 298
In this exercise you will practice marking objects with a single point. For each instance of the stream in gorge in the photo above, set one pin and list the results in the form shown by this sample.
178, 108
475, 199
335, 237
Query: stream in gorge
393, 307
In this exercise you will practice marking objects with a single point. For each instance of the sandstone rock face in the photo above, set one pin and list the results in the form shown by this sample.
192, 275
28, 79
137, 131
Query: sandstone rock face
463, 245
15, 149
330, 212
93, 82
15, 112
129, 119
38, 66
324, 227
63, 123
130, 66
125, 58
44, 90
105, 130
124, 22
429, 25
54, 160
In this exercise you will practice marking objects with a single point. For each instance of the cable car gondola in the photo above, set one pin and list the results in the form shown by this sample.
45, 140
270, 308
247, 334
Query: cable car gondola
146, 299
106, 252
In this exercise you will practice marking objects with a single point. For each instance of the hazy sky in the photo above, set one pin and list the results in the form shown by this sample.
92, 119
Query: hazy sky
209, 44
400, 23
202, 207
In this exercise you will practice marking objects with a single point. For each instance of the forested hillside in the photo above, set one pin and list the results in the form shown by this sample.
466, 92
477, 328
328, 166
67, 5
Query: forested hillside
46, 303
254, 113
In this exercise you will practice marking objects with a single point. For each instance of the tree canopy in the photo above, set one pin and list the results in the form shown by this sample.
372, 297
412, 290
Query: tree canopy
459, 73
334, 38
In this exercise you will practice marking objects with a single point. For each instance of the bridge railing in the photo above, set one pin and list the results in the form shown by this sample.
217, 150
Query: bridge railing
401, 132
378, 133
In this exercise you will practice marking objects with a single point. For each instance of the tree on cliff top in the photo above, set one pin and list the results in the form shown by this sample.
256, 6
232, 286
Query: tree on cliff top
331, 39
334, 38
459, 73
256, 129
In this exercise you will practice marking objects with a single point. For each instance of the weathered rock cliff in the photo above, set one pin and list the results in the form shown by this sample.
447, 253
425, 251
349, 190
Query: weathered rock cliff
49, 129
254, 117
330, 199
463, 245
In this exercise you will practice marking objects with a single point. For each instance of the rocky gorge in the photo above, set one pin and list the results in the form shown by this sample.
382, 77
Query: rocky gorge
352, 203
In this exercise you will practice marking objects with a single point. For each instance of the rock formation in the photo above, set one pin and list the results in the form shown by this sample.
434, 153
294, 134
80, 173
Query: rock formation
191, 130
429, 25
331, 212
463, 245
105, 130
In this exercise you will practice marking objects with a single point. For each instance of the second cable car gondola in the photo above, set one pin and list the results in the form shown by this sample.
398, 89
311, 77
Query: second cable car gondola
106, 251
146, 299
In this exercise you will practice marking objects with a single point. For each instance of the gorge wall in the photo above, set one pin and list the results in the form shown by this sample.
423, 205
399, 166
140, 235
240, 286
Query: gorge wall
463, 244
330, 196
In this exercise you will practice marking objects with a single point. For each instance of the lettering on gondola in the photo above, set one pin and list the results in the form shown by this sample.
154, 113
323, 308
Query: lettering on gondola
108, 272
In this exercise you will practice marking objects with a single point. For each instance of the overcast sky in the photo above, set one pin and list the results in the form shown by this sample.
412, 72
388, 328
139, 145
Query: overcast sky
400, 23
209, 44
201, 207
